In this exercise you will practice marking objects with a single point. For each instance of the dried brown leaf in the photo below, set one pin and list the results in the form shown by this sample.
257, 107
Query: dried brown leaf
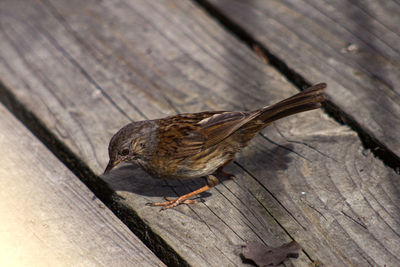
263, 255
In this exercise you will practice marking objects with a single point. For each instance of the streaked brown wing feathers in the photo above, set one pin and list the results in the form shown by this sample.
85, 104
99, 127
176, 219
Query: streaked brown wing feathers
220, 126
188, 134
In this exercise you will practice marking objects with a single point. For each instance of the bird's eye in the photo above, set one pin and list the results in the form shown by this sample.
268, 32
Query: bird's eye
125, 152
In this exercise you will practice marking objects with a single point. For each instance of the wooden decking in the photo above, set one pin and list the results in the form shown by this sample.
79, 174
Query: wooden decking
74, 72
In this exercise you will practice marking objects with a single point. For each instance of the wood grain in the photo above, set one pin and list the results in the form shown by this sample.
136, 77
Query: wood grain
87, 68
49, 217
352, 45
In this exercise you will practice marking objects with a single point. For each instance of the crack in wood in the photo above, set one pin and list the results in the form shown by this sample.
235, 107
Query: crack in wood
354, 220
315, 209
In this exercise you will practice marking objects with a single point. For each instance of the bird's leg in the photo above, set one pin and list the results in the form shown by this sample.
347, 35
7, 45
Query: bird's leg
220, 170
170, 203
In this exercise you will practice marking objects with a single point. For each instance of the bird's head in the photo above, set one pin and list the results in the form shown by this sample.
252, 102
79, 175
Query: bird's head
127, 145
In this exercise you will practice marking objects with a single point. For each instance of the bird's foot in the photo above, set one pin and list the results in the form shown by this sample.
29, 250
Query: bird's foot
172, 202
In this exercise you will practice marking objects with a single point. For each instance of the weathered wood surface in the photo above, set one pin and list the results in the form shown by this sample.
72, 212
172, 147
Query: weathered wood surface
86, 68
352, 45
49, 217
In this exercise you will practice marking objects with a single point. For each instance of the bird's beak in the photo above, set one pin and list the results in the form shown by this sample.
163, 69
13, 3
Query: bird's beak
111, 164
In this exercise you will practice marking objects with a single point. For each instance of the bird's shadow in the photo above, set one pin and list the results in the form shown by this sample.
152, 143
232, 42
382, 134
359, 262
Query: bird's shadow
131, 178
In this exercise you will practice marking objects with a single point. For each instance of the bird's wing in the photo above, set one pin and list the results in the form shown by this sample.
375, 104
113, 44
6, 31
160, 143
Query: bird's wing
187, 134
220, 126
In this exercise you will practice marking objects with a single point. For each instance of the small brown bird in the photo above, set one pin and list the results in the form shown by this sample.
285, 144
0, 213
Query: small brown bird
197, 145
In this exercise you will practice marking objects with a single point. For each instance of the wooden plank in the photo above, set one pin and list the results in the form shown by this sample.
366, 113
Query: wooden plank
352, 45
87, 68
49, 218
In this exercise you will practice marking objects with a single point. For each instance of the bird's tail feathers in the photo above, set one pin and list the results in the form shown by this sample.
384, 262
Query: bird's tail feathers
308, 99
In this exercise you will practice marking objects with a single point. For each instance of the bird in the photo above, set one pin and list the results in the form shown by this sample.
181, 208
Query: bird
194, 145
